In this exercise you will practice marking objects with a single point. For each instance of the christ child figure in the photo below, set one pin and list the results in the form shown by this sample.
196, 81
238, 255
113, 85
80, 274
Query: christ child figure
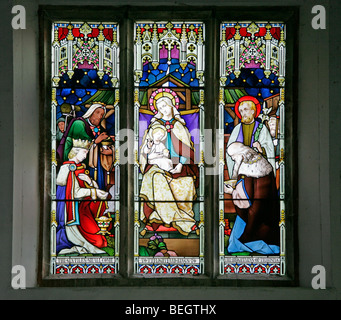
156, 150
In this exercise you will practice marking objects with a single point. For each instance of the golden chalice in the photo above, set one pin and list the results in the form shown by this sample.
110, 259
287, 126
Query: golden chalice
103, 223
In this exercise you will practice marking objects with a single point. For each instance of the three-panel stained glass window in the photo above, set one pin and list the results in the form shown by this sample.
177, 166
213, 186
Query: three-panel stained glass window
169, 110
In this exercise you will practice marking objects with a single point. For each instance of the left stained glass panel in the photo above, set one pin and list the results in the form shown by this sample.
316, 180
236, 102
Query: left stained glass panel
84, 147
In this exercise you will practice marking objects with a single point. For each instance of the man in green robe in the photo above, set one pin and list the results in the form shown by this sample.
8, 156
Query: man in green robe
101, 157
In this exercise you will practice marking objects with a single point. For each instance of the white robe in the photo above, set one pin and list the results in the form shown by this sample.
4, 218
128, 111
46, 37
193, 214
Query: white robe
265, 141
81, 244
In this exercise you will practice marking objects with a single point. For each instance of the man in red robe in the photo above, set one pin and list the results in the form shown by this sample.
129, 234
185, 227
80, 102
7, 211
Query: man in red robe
80, 210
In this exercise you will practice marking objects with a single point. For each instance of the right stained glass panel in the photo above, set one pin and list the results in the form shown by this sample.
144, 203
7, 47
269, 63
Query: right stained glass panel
251, 143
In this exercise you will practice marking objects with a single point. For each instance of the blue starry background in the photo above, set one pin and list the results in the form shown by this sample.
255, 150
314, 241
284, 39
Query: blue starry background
82, 88
252, 82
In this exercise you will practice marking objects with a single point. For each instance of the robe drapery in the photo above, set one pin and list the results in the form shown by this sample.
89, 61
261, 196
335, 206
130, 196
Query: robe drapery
99, 165
167, 198
78, 128
78, 230
256, 228
265, 140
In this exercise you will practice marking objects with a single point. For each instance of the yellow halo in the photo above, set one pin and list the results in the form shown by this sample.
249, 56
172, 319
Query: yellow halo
163, 94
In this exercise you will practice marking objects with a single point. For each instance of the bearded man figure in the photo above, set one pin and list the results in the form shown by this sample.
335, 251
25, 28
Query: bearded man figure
251, 132
256, 228
101, 157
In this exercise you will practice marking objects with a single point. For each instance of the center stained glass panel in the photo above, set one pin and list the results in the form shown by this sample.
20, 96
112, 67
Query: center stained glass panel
169, 144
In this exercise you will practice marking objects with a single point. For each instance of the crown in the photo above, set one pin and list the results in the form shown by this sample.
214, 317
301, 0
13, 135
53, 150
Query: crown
98, 102
79, 143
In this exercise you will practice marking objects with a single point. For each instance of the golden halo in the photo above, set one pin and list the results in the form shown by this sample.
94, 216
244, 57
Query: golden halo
159, 93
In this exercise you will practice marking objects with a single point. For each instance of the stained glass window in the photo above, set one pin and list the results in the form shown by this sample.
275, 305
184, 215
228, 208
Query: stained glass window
251, 124
169, 142
85, 181
169, 78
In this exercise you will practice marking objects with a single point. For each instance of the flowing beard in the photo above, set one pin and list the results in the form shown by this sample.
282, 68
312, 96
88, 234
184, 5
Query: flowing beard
246, 120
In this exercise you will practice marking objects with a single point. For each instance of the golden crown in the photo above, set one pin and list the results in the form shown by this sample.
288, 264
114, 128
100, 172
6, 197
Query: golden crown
79, 143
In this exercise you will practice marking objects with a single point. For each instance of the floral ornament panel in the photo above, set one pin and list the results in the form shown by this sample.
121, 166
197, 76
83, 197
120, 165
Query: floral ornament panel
166, 48
251, 118
250, 46
78, 47
169, 144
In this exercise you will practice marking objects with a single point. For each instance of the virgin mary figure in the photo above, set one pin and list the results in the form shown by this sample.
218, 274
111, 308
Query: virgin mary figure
168, 195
